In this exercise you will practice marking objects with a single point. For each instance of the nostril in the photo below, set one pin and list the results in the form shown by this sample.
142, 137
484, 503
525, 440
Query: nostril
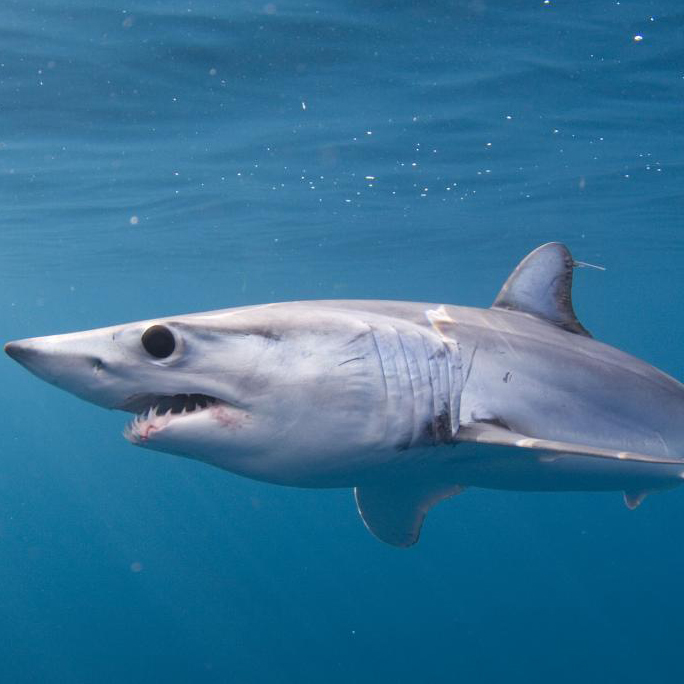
98, 365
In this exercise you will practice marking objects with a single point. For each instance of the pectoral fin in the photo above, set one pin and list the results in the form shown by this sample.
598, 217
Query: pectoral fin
394, 510
488, 433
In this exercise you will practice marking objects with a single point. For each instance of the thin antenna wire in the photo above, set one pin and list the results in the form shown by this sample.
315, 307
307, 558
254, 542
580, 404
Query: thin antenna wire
584, 264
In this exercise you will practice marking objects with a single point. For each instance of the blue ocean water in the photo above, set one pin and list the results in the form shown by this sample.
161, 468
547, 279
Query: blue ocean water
170, 157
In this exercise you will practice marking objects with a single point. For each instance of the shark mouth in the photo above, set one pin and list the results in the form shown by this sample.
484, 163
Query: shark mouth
156, 411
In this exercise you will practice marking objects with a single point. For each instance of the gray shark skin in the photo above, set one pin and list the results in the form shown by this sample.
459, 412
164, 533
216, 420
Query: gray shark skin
408, 403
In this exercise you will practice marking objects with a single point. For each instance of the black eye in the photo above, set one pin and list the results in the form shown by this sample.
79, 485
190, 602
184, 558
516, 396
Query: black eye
158, 341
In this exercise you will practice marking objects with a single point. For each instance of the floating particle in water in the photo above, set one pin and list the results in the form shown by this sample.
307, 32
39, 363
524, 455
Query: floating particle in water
134, 220
212, 71
638, 38
136, 566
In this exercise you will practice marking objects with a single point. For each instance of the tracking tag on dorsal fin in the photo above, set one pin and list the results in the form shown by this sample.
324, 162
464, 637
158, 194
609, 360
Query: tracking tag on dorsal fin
394, 510
541, 285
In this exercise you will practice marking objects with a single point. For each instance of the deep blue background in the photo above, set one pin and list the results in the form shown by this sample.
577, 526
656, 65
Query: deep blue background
168, 157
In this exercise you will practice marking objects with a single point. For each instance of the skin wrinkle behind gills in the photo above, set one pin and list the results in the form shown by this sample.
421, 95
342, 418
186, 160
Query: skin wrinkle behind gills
407, 402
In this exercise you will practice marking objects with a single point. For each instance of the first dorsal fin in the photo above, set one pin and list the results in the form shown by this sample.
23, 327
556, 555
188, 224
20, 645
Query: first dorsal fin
541, 285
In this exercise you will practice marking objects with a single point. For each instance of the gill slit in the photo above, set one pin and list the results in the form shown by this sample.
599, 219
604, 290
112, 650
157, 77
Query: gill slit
384, 379
413, 392
430, 379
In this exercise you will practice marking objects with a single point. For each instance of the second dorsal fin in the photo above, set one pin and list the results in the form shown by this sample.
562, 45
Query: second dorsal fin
541, 285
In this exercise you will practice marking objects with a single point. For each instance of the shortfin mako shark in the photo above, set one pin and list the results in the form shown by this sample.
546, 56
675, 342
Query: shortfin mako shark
408, 403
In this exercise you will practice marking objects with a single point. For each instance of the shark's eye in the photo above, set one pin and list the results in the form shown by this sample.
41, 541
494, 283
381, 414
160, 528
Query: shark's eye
158, 341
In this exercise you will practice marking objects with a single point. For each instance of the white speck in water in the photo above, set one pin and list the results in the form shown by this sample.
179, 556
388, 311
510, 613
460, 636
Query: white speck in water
134, 220
638, 38
370, 177
212, 71
303, 105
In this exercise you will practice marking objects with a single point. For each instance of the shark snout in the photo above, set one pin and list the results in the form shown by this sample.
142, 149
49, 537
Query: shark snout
19, 351
48, 360
36, 357
62, 361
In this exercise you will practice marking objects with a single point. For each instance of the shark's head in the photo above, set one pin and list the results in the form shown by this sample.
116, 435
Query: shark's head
267, 392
